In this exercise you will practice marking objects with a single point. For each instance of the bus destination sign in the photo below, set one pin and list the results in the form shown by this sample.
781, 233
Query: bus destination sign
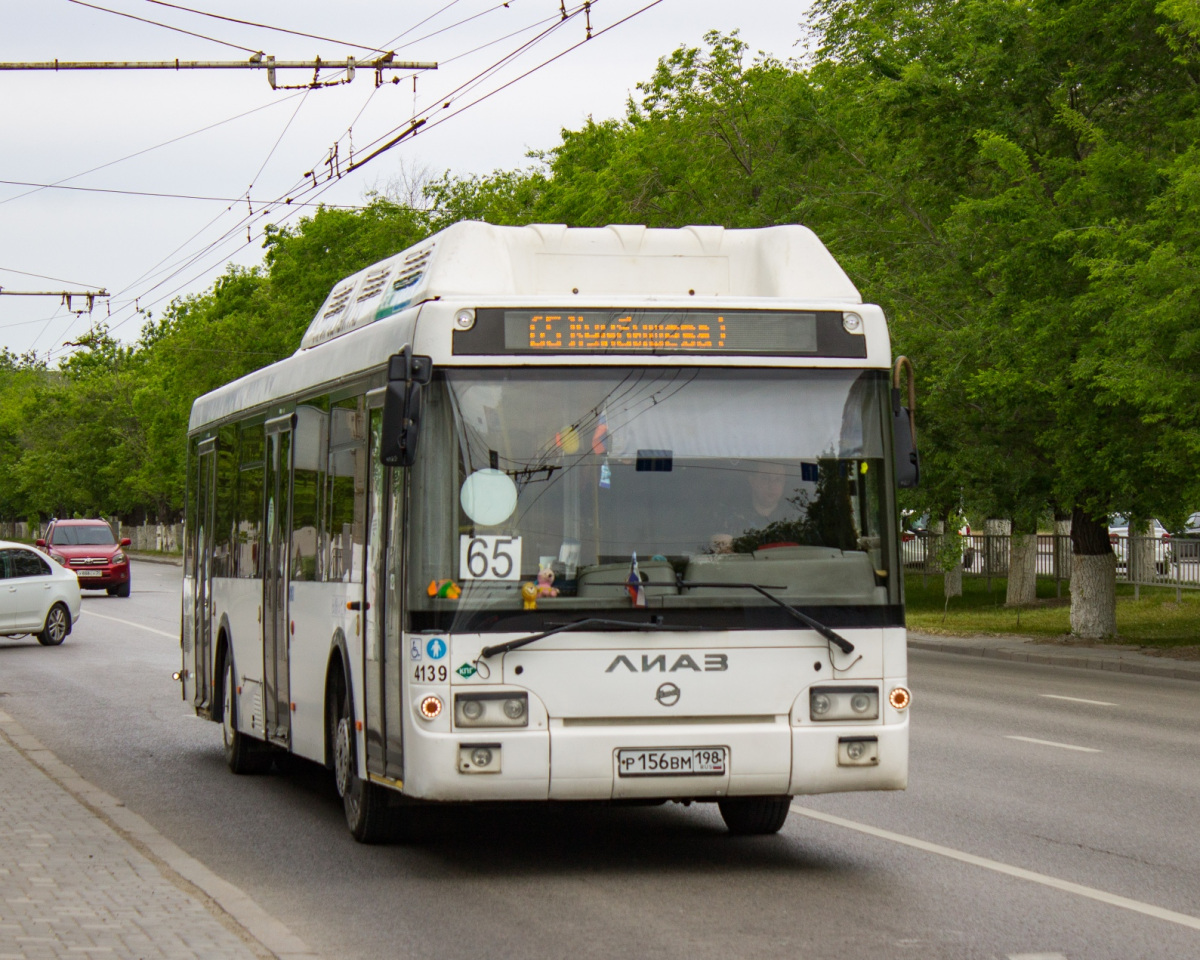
658, 331
566, 331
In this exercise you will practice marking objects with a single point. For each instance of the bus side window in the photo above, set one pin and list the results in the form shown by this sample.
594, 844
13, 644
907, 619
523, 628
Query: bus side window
309, 460
346, 491
224, 532
249, 501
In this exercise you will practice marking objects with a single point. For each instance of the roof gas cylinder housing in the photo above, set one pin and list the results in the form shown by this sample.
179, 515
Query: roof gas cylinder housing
590, 263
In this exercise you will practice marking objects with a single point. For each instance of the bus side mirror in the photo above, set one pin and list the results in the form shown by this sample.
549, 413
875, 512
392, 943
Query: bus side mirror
908, 464
402, 408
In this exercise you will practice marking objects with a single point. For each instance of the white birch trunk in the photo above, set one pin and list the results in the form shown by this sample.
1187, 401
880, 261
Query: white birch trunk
1022, 571
1094, 596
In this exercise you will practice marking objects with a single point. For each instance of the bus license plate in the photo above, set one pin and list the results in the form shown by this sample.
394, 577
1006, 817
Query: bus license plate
89, 573
692, 762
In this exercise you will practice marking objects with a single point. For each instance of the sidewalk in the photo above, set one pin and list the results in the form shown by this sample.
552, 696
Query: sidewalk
82, 876
1115, 658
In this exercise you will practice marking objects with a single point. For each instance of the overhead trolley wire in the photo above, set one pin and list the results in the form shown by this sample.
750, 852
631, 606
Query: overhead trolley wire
169, 196
165, 143
310, 188
42, 276
165, 26
267, 26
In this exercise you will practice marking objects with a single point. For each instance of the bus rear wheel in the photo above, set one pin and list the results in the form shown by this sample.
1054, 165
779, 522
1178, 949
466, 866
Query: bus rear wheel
750, 816
365, 803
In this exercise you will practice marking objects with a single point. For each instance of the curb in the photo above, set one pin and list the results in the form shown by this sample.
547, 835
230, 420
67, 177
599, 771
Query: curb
155, 558
1110, 661
231, 906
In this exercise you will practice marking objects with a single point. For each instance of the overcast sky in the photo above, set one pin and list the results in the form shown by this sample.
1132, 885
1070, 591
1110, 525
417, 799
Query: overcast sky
56, 127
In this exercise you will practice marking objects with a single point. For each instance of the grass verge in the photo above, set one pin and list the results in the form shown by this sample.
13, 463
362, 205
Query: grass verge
1157, 619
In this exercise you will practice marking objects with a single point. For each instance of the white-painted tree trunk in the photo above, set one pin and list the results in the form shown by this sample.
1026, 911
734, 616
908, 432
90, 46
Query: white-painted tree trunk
1022, 570
1094, 596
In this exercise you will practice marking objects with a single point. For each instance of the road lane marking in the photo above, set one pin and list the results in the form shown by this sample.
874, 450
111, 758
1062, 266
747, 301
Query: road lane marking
131, 623
1051, 743
1066, 886
1097, 703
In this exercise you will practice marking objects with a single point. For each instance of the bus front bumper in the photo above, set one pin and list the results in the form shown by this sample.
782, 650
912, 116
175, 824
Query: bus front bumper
578, 760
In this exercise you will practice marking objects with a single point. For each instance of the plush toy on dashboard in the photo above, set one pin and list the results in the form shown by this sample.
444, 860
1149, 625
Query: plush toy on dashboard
545, 583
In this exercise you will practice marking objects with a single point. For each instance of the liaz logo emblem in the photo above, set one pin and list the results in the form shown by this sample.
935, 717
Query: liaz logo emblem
713, 663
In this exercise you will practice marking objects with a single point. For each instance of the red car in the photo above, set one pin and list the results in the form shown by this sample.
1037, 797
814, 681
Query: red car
89, 548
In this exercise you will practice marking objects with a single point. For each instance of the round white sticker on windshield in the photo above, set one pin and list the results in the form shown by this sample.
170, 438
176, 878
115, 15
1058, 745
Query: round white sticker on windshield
489, 497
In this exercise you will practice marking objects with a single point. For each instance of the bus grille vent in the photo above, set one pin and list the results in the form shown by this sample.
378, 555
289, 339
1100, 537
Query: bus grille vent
337, 303
373, 284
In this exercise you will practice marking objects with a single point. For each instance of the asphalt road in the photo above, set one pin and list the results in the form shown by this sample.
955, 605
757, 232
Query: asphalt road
1051, 813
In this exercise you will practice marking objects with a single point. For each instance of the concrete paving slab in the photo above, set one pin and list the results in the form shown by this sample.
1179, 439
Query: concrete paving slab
82, 875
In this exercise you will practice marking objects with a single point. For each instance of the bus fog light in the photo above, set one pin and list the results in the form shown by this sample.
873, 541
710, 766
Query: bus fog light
858, 751
431, 708
479, 758
900, 698
843, 703
491, 710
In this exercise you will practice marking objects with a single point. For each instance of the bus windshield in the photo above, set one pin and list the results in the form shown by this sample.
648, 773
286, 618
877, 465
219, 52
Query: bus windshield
544, 494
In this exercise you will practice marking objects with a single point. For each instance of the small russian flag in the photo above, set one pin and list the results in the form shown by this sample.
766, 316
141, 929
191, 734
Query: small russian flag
600, 435
637, 592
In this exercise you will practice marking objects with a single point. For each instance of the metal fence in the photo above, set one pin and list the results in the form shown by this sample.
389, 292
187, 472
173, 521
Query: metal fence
1142, 561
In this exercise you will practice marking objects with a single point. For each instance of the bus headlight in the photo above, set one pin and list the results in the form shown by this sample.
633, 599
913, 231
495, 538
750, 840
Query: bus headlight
844, 703
491, 710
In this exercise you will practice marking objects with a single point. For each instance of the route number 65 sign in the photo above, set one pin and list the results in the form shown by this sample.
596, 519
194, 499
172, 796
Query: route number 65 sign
489, 558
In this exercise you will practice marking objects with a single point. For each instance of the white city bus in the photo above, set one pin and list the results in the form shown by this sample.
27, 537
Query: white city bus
550, 513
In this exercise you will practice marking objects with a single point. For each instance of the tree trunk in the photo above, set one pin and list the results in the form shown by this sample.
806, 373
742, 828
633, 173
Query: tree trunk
1022, 570
1062, 547
1139, 552
997, 546
1093, 579
953, 582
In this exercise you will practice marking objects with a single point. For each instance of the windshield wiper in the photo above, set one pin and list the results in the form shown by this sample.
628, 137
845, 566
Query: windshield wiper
589, 622
831, 635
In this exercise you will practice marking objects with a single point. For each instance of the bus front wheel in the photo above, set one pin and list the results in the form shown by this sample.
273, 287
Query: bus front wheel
365, 803
748, 816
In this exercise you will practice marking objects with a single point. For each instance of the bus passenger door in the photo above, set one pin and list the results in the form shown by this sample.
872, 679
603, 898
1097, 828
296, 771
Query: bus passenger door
382, 654
277, 699
375, 726
198, 673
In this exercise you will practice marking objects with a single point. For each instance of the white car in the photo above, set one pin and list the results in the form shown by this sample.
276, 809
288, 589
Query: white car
37, 595
1118, 536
